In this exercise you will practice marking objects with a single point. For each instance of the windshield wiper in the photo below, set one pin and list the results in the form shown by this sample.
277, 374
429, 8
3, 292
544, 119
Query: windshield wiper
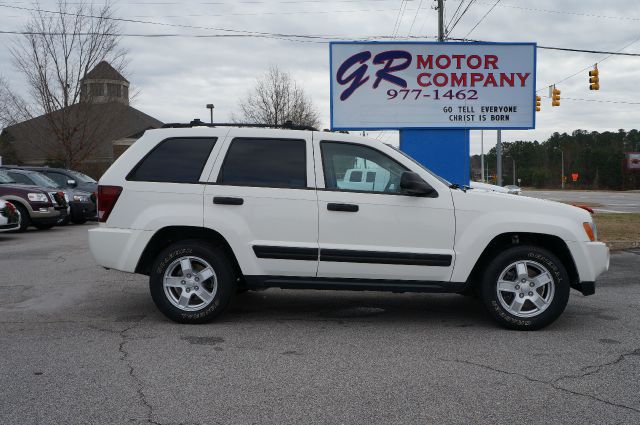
457, 186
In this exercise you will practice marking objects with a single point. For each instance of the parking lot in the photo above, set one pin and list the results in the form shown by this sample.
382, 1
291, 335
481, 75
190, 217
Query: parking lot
83, 345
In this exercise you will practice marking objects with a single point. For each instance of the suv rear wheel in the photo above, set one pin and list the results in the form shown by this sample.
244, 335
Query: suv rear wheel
192, 282
525, 288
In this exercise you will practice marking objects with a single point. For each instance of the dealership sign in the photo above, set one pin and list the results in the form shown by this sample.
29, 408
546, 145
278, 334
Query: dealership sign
633, 160
396, 85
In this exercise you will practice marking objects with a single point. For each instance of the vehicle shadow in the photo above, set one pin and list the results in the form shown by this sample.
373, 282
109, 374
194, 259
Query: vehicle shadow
351, 306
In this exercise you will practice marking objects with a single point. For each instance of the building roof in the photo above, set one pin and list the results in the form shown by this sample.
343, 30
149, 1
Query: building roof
106, 122
104, 71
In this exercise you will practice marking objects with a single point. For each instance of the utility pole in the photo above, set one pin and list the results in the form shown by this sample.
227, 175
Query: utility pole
440, 20
499, 159
514, 171
482, 156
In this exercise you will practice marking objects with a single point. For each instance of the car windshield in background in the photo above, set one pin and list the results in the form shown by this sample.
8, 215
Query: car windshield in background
41, 180
82, 177
421, 166
5, 179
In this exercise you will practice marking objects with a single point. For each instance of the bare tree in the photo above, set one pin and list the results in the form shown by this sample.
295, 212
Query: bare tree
57, 50
276, 99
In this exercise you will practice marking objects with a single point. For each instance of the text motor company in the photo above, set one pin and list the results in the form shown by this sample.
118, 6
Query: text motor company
432, 85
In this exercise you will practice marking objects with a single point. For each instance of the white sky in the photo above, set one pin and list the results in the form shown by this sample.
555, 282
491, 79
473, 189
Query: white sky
178, 76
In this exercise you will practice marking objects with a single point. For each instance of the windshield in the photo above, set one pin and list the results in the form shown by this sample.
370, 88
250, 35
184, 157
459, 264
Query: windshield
82, 177
42, 180
421, 166
5, 179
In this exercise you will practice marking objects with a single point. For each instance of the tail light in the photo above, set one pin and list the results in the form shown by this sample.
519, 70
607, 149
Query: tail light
107, 198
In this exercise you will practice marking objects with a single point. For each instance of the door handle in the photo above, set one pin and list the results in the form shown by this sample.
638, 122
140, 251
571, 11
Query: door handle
227, 200
342, 207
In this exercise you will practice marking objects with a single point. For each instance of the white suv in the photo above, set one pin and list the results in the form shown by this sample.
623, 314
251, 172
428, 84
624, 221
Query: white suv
209, 211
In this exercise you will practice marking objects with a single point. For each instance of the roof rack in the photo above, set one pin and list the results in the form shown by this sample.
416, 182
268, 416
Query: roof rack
198, 123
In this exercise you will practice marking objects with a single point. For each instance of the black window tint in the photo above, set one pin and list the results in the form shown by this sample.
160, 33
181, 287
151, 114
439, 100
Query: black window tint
178, 160
371, 177
356, 176
265, 163
20, 178
61, 179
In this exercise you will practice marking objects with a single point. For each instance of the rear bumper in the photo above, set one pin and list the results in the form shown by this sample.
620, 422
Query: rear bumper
118, 249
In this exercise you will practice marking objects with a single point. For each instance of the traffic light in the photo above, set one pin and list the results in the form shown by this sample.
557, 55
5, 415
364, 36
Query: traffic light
594, 81
555, 97
538, 103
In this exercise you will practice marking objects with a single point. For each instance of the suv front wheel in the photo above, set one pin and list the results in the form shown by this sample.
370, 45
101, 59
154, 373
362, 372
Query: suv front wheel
525, 288
192, 282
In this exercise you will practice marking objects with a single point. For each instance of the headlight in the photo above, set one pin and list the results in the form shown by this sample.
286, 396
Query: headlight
37, 197
81, 198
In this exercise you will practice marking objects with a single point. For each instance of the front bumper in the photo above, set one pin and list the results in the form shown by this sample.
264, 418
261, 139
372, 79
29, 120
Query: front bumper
591, 259
82, 210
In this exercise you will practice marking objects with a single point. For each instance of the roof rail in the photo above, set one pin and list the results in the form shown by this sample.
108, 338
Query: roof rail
198, 123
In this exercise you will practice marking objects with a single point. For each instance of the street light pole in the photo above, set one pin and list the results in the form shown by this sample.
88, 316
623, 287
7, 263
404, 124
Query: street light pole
482, 155
210, 108
499, 159
562, 161
514, 171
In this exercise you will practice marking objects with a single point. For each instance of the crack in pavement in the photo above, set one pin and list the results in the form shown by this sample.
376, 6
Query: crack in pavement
554, 382
139, 384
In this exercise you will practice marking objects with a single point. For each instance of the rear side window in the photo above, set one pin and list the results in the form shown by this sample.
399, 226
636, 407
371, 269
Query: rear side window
61, 179
176, 160
265, 163
20, 178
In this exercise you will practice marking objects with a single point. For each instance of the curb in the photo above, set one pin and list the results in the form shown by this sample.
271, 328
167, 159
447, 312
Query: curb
622, 245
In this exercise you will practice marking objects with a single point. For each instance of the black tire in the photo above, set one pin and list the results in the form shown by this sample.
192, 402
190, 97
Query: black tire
79, 220
65, 221
25, 220
224, 274
533, 255
43, 226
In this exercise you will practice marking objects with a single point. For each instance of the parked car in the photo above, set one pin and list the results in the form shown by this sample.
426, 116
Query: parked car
205, 212
9, 216
81, 205
513, 189
67, 178
488, 187
38, 206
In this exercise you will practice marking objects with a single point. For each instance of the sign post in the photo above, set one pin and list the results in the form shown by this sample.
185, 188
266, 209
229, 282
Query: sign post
434, 93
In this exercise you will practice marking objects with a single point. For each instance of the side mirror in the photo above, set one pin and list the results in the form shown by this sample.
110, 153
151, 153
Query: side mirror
412, 184
71, 183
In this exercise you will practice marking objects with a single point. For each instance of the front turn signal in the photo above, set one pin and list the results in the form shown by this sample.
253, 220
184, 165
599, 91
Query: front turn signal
589, 229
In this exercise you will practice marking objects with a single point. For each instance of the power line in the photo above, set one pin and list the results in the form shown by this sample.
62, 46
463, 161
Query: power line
482, 19
566, 12
399, 16
597, 100
414, 18
466, 9
456, 12
568, 49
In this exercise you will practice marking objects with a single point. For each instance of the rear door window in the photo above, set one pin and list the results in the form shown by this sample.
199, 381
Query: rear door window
279, 163
175, 160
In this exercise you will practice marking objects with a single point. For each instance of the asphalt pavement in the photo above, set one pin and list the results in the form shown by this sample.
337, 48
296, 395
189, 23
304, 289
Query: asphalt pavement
82, 345
620, 202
